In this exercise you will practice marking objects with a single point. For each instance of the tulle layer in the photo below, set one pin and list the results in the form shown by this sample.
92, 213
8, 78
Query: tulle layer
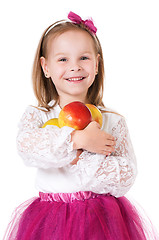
77, 216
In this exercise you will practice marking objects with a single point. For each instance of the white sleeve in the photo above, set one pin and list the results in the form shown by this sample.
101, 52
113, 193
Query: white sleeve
114, 174
43, 147
119, 170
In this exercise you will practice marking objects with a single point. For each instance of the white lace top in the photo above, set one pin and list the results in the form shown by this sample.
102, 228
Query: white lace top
50, 150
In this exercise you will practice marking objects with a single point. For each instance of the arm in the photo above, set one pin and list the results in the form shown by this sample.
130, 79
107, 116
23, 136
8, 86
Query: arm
118, 172
113, 174
93, 139
43, 147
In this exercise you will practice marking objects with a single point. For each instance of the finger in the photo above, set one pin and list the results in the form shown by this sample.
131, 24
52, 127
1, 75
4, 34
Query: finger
110, 143
105, 153
108, 148
110, 137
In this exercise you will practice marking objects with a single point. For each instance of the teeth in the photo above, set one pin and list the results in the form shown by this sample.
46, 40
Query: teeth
75, 79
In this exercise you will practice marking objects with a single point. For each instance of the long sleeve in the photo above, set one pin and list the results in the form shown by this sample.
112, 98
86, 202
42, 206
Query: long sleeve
114, 174
43, 147
119, 170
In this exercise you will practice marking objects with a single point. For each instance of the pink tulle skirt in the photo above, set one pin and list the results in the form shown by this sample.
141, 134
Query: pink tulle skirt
77, 216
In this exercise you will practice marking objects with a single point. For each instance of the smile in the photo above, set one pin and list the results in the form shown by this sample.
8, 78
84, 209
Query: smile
75, 79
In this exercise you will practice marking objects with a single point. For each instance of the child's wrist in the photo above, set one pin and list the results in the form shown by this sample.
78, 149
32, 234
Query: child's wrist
75, 139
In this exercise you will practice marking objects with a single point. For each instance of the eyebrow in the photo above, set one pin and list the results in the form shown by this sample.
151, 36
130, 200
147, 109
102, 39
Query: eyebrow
58, 54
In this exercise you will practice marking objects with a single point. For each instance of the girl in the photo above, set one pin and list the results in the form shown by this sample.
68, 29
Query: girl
82, 174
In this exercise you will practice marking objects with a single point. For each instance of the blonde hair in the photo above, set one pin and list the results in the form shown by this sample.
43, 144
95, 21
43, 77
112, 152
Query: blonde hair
44, 88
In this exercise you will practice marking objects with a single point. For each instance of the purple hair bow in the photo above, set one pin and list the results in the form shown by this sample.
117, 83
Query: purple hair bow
77, 19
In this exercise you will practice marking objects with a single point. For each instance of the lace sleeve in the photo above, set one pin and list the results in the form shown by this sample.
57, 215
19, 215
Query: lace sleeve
118, 171
43, 147
114, 174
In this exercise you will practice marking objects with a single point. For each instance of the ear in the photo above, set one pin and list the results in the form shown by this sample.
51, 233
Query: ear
97, 63
44, 66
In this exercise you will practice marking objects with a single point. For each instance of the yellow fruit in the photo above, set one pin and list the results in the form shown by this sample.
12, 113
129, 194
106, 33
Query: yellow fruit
53, 121
96, 114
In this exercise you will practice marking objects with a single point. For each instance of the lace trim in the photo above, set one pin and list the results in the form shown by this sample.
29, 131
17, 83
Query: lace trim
43, 147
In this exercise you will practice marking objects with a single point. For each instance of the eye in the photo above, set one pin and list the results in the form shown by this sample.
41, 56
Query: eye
84, 58
62, 60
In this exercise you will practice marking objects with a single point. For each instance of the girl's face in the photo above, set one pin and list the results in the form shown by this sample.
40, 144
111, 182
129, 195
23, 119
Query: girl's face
72, 65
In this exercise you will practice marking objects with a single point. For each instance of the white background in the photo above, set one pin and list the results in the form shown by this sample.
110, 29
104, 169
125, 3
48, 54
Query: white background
129, 34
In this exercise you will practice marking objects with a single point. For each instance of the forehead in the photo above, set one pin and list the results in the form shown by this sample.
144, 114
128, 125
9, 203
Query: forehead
72, 40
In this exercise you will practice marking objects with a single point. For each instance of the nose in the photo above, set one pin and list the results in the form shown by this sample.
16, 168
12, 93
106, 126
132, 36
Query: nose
75, 67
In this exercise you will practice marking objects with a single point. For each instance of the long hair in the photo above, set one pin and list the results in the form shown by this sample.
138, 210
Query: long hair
44, 88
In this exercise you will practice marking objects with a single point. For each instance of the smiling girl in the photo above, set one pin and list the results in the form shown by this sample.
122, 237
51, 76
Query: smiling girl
82, 175
72, 72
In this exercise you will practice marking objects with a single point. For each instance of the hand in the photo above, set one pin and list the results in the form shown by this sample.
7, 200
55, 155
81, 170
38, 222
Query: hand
79, 151
93, 139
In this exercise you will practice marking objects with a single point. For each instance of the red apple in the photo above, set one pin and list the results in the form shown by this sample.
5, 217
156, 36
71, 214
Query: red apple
75, 115
53, 121
96, 114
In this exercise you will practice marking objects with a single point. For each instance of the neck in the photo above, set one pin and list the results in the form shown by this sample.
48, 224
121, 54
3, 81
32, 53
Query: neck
64, 101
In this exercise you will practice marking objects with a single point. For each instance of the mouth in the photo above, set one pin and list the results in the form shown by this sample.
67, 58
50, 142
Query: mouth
75, 79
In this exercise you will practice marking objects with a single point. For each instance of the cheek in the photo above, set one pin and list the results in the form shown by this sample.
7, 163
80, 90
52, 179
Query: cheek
91, 67
94, 69
56, 71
